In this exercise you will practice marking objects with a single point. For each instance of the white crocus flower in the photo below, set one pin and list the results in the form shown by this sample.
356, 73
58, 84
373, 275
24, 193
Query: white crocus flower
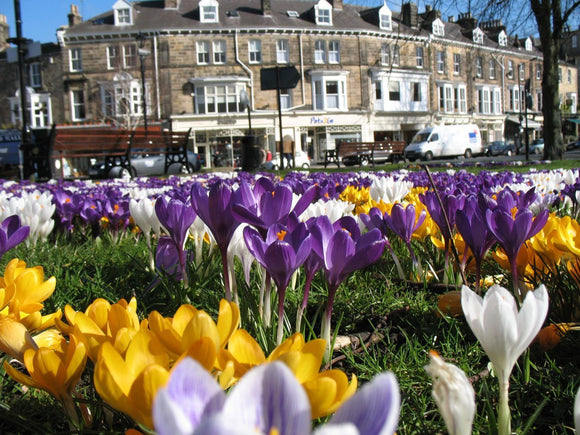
143, 213
389, 189
503, 332
577, 411
238, 248
453, 394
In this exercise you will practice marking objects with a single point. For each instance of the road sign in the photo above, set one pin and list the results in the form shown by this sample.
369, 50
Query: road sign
286, 77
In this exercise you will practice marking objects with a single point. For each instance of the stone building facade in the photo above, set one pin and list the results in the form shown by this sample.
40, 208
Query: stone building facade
364, 74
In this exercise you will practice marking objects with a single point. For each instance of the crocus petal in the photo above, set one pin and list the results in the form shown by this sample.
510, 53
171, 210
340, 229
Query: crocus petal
14, 338
374, 409
453, 394
577, 411
191, 395
269, 398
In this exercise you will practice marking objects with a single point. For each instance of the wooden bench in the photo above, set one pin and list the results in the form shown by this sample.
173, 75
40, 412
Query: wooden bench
364, 153
115, 147
77, 146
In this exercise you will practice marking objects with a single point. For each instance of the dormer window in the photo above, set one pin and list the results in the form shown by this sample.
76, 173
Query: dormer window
478, 35
385, 18
123, 13
528, 44
502, 38
323, 13
208, 11
438, 27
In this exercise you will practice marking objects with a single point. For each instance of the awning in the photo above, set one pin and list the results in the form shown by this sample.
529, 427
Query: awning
532, 125
575, 121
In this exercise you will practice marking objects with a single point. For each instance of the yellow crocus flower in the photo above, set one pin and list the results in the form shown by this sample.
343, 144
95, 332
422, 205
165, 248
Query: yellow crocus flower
15, 338
129, 383
567, 236
102, 322
56, 371
185, 331
303, 358
25, 286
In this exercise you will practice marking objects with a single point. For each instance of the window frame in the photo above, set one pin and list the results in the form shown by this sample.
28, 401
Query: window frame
255, 51
334, 52
78, 105
206, 52
123, 16
219, 52
322, 99
35, 74
492, 69
319, 51
76, 59
282, 51
440, 61
385, 54
419, 57
479, 67
456, 63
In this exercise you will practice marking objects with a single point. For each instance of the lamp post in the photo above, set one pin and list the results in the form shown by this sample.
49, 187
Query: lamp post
143, 53
25, 139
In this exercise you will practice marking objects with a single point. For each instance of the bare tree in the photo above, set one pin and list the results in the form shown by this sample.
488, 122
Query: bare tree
550, 19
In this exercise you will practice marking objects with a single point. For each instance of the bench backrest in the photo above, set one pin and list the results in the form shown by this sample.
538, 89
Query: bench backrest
158, 142
394, 147
90, 140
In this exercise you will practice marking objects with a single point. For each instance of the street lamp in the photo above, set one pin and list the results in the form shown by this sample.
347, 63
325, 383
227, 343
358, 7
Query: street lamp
143, 53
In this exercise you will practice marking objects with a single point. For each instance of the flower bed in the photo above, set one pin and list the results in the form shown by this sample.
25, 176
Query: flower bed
317, 255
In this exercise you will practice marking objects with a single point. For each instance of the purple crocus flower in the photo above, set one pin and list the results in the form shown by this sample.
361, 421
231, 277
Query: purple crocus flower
270, 204
176, 217
513, 231
267, 399
342, 250
166, 255
68, 206
451, 203
214, 208
403, 222
471, 224
12, 233
283, 251
375, 219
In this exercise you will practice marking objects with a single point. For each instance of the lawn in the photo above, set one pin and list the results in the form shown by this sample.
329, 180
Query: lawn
384, 320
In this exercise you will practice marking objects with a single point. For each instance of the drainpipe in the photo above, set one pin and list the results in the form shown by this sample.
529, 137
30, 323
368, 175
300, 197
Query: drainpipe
244, 66
302, 71
156, 69
502, 66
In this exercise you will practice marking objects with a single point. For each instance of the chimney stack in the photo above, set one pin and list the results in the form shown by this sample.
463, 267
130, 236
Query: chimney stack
266, 7
74, 17
4, 32
172, 4
410, 13
337, 4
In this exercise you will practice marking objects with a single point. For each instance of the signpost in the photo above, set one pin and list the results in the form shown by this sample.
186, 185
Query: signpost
286, 77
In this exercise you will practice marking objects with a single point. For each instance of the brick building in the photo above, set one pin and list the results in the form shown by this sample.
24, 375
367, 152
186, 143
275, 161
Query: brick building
364, 73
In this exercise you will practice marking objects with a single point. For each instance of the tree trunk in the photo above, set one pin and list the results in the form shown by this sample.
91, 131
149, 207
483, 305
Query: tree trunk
546, 13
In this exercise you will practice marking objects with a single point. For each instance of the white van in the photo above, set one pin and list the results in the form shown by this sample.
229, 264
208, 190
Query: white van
445, 141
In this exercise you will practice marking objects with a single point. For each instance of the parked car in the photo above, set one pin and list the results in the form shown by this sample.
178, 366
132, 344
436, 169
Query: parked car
384, 152
301, 160
573, 145
146, 166
536, 147
499, 147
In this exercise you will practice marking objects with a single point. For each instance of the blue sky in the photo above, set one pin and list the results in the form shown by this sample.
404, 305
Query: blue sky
41, 18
